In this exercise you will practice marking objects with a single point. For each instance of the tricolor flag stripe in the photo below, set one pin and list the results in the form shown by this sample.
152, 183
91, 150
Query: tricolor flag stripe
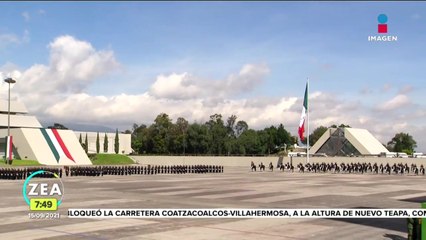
303, 116
62, 145
55, 143
50, 143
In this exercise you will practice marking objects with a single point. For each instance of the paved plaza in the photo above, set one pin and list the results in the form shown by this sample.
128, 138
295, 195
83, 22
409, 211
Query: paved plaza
236, 188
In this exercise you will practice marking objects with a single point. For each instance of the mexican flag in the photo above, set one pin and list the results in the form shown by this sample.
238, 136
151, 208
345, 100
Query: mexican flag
8, 149
303, 116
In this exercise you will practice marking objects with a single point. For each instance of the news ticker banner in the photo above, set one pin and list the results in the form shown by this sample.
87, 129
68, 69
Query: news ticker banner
245, 213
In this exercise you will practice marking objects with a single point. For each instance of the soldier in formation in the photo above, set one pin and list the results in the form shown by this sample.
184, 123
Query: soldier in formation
140, 170
96, 171
358, 168
23, 173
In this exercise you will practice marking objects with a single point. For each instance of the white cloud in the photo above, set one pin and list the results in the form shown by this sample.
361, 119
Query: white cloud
258, 113
7, 39
56, 90
328, 109
73, 65
185, 86
176, 86
246, 80
398, 101
26, 16
126, 109
6, 71
72, 59
9, 69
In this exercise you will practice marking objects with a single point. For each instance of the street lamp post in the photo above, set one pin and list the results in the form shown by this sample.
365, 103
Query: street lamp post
9, 81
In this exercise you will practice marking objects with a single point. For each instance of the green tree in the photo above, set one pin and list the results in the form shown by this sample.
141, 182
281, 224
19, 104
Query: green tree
116, 143
160, 133
86, 144
250, 143
270, 140
198, 139
181, 132
148, 139
340, 126
218, 133
240, 128
80, 140
230, 138
230, 125
283, 136
98, 145
213, 137
402, 142
139, 137
294, 140
58, 126
105, 143
263, 140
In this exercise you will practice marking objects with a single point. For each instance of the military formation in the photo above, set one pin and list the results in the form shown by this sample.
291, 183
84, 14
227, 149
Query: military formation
95, 171
23, 173
359, 168
140, 170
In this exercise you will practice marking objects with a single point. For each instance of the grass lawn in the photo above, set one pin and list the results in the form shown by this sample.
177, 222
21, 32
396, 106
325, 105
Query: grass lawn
20, 163
111, 159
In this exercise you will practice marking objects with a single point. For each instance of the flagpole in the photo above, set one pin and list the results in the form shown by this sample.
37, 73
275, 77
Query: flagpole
307, 118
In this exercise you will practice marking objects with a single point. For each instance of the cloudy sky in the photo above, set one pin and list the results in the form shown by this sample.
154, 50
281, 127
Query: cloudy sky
115, 64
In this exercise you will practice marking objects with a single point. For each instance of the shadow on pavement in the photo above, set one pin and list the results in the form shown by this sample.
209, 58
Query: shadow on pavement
394, 237
421, 199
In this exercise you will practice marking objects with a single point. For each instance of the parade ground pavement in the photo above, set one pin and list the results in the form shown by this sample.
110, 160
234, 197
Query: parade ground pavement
237, 187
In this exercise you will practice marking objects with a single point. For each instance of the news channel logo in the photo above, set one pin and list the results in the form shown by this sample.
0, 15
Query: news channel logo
382, 27
43, 192
382, 30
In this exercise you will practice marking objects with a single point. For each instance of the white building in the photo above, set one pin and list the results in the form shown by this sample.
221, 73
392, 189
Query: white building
49, 146
124, 142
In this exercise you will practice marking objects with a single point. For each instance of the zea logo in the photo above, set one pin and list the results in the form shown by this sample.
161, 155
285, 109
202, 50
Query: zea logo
382, 28
45, 194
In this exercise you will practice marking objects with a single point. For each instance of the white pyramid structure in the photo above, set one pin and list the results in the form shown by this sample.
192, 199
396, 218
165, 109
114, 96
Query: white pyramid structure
348, 142
33, 142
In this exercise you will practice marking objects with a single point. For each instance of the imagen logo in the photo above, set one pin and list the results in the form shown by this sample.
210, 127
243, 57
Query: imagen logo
43, 191
382, 29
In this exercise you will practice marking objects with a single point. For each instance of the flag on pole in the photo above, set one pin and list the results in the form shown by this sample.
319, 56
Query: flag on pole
8, 150
303, 116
